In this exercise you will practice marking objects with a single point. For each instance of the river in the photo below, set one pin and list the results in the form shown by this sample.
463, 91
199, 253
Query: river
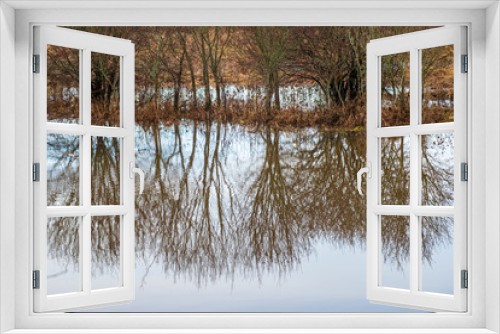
239, 219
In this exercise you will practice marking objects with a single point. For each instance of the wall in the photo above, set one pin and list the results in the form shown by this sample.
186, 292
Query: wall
7, 159
492, 147
243, 17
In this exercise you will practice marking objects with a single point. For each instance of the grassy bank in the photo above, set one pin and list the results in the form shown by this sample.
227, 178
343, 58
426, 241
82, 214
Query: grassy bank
349, 117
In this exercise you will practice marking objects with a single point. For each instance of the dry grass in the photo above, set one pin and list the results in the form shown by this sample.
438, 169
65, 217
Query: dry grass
351, 116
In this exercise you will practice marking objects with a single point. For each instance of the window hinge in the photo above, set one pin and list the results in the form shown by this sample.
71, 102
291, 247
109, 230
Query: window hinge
36, 63
36, 172
464, 171
36, 279
465, 279
465, 64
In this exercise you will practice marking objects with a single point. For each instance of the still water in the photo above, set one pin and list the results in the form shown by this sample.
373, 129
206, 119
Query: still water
238, 219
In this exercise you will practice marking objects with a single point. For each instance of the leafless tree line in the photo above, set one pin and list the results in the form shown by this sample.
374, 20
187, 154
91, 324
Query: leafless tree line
177, 58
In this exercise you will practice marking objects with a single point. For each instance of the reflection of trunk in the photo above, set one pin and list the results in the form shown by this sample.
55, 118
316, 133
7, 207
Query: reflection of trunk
63, 170
105, 241
105, 171
206, 177
437, 171
158, 159
272, 222
401, 179
395, 171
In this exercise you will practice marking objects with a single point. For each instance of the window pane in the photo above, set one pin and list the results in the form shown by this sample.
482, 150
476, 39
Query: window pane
105, 89
395, 164
63, 84
63, 170
395, 89
437, 84
437, 254
438, 169
63, 255
105, 252
395, 260
105, 171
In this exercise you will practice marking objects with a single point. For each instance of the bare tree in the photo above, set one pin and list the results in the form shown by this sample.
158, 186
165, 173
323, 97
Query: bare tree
200, 38
267, 48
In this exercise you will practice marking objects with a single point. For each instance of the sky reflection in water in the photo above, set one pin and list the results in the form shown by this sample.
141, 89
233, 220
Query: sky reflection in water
234, 219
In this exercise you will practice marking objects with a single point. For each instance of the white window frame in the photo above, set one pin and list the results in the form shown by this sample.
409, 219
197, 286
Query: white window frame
483, 102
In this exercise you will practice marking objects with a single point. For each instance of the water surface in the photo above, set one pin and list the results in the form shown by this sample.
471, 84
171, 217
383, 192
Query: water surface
238, 219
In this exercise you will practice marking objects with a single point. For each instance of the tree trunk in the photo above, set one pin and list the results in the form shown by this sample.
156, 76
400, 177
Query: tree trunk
156, 94
277, 102
206, 83
277, 99
217, 90
269, 95
177, 84
194, 99
177, 88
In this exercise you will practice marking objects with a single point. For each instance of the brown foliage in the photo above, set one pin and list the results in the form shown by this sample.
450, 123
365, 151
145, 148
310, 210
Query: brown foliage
171, 60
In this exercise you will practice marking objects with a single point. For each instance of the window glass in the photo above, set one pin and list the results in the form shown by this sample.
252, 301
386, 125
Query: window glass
63, 170
395, 89
438, 169
437, 236
63, 255
105, 171
437, 84
63, 84
395, 255
105, 252
395, 168
105, 87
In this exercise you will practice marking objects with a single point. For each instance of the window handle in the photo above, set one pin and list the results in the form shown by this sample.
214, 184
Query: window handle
136, 170
368, 171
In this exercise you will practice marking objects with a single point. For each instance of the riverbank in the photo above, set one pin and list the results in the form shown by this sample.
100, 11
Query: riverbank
349, 117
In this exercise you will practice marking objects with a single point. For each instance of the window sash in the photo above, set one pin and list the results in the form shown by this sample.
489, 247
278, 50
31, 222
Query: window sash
86, 43
413, 43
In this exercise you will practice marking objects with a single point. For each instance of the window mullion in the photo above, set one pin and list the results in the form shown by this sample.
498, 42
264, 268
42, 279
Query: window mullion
418, 150
414, 171
86, 166
86, 120
85, 253
82, 150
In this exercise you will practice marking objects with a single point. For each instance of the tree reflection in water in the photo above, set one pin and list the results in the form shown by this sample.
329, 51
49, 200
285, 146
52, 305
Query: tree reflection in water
222, 201
228, 201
